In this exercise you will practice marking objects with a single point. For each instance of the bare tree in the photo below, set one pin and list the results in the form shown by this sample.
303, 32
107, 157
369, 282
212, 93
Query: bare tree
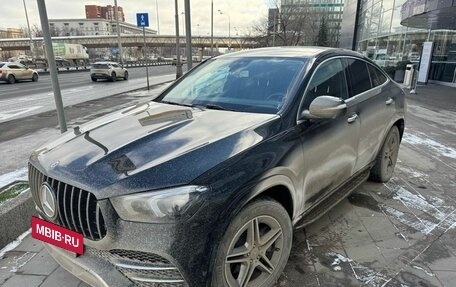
293, 25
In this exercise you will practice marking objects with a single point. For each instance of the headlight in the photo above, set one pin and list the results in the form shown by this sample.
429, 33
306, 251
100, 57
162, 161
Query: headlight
159, 206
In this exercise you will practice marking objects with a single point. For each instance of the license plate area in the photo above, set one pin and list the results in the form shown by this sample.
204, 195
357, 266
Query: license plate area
72, 242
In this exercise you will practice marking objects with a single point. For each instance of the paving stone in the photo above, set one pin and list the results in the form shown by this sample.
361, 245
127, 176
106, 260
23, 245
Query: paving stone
448, 278
367, 255
41, 264
11, 262
30, 244
24, 281
60, 277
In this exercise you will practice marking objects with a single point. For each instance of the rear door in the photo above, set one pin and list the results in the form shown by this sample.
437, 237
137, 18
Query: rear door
16, 71
367, 92
330, 146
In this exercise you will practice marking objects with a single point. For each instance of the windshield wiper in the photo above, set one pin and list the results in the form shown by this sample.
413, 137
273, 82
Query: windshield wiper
218, 107
177, 104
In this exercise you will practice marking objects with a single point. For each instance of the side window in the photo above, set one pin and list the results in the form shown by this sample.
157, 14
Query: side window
359, 76
328, 80
13, 66
376, 75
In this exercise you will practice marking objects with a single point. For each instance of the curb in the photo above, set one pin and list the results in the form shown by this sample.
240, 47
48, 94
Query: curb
15, 216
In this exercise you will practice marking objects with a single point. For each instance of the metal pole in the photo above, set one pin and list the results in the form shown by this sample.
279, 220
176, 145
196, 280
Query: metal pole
29, 30
212, 28
119, 43
178, 61
188, 35
52, 65
144, 53
274, 30
158, 18
229, 32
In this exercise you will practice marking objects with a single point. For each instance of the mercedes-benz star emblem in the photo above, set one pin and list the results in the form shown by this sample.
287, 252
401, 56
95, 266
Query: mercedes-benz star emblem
48, 202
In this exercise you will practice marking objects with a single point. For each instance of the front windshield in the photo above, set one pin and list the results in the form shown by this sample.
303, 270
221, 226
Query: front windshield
259, 85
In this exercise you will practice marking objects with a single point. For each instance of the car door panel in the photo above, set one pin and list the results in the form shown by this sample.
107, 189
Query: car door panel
373, 113
330, 146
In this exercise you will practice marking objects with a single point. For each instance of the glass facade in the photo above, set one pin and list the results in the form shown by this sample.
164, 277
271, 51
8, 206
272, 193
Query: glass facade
380, 36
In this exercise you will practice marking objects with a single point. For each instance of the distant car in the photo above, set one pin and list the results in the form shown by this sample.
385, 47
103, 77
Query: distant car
108, 70
12, 72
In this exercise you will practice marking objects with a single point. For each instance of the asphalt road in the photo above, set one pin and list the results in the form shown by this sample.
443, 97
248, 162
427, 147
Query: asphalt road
385, 235
28, 98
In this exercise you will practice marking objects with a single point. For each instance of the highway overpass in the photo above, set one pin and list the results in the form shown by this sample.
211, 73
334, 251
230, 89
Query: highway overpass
131, 41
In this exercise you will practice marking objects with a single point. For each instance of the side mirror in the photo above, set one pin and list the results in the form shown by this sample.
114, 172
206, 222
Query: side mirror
325, 107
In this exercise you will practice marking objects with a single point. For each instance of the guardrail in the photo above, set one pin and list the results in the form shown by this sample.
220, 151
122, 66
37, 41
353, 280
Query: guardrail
87, 67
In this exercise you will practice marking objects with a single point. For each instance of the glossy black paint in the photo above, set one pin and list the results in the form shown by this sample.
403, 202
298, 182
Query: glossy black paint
238, 155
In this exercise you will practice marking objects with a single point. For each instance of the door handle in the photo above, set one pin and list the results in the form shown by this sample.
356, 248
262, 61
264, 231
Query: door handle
389, 101
352, 118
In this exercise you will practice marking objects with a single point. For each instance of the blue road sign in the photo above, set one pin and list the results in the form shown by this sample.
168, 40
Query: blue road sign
142, 19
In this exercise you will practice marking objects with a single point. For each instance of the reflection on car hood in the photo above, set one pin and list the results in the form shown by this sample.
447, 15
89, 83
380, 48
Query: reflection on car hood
147, 147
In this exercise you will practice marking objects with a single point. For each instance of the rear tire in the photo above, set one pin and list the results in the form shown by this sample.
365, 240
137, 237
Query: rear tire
35, 78
126, 76
93, 79
255, 248
113, 77
386, 159
11, 79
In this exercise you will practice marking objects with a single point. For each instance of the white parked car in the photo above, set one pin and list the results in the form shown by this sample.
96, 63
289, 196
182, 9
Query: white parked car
108, 70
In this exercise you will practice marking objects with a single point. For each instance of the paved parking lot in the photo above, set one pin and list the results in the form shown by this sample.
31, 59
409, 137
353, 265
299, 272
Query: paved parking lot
396, 234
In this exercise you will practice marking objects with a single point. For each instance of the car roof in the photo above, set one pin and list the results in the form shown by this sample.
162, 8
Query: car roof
292, 52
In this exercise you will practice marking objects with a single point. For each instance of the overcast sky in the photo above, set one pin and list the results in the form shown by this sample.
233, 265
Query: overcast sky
243, 13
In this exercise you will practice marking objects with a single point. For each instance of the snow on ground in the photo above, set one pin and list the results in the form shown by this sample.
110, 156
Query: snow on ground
14, 243
10, 177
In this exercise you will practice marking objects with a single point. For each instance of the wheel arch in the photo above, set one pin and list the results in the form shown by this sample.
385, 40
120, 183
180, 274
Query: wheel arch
279, 188
400, 124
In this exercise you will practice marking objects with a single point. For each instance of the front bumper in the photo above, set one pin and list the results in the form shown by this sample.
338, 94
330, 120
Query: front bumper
141, 254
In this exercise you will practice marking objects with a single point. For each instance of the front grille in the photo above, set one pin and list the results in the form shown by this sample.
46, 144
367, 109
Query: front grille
78, 209
142, 268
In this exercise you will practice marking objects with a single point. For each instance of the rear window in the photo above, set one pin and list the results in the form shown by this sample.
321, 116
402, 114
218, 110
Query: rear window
100, 66
376, 75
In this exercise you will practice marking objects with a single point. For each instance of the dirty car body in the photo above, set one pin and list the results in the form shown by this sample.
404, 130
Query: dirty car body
198, 154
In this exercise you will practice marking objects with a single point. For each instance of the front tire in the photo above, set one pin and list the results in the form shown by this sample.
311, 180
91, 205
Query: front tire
113, 77
386, 160
35, 78
255, 248
94, 79
126, 76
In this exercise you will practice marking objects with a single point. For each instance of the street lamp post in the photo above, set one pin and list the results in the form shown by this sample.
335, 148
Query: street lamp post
158, 17
52, 65
178, 61
116, 12
212, 28
229, 27
183, 23
29, 30
188, 35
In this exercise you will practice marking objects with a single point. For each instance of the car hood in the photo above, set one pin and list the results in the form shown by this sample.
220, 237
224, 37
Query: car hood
147, 147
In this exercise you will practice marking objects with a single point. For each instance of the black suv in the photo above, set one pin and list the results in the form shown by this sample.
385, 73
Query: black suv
204, 185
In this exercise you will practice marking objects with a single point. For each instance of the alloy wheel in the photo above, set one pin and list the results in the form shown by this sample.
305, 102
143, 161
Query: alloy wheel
254, 252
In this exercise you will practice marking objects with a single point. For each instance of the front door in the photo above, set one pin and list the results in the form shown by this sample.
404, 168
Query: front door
330, 146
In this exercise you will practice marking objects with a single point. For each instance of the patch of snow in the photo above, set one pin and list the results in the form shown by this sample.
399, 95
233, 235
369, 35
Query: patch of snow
425, 213
424, 270
362, 273
10, 177
15, 243
420, 139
